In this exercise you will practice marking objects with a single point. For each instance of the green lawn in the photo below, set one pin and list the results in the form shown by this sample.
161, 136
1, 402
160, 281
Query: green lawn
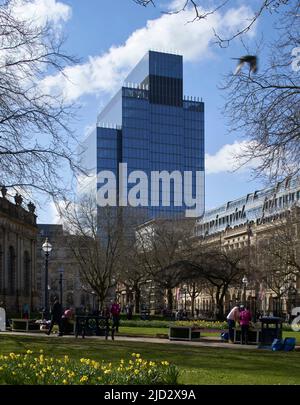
203, 365
140, 331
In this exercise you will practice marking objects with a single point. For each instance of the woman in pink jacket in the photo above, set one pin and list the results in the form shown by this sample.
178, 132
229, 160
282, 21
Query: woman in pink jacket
245, 319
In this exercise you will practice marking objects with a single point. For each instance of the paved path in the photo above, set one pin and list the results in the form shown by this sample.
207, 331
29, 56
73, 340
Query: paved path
204, 342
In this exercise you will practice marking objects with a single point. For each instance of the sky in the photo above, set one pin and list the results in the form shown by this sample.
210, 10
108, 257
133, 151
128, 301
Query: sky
111, 36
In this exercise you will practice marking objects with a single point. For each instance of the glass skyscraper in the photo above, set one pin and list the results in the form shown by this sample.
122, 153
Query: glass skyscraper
153, 128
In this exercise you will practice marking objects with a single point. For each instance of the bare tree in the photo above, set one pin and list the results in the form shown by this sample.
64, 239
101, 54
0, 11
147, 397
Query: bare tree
194, 289
219, 268
163, 242
270, 6
132, 272
97, 244
279, 254
35, 135
265, 106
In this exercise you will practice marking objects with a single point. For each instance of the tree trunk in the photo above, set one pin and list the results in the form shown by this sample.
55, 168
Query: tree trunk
193, 297
170, 299
193, 304
219, 306
137, 300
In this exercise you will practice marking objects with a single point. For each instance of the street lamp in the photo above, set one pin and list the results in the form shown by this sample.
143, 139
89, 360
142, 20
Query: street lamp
94, 296
61, 273
245, 282
47, 247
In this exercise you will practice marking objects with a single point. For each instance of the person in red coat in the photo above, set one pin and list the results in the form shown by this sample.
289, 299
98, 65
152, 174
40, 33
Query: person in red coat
245, 319
115, 313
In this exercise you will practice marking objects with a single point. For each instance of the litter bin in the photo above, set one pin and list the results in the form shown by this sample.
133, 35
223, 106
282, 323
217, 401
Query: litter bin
145, 315
271, 328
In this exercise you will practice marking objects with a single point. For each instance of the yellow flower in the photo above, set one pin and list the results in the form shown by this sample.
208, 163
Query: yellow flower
137, 355
107, 371
65, 382
29, 352
84, 378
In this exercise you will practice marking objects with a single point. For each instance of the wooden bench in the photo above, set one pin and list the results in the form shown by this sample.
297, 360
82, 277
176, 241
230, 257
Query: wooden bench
184, 333
254, 335
24, 325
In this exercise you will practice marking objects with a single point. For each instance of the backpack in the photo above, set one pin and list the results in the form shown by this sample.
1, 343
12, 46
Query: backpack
224, 336
277, 345
289, 344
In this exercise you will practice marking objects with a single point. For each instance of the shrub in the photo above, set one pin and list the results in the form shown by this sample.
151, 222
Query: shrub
204, 324
37, 369
146, 324
166, 324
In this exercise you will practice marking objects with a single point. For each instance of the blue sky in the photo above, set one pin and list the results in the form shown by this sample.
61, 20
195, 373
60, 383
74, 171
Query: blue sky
110, 37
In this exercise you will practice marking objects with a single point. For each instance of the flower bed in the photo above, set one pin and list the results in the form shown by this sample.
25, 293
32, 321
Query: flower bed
37, 369
216, 325
145, 324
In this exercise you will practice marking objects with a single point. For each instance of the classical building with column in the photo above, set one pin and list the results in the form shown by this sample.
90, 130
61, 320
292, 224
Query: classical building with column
246, 223
18, 233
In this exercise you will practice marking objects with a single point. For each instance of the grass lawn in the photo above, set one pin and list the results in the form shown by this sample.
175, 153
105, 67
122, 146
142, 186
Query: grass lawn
203, 365
140, 331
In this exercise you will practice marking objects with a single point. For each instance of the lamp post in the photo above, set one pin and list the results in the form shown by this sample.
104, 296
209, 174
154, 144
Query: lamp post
47, 247
61, 273
93, 303
245, 282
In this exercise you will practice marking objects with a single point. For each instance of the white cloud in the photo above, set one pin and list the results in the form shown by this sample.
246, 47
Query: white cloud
228, 159
105, 72
42, 11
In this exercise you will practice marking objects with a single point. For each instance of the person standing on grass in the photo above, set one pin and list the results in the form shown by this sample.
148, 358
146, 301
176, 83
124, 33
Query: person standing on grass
232, 318
245, 319
115, 312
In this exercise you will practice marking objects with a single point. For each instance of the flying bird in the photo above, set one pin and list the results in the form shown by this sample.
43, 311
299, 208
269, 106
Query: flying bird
250, 59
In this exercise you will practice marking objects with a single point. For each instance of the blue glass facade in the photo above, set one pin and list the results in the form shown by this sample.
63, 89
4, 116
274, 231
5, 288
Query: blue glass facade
151, 127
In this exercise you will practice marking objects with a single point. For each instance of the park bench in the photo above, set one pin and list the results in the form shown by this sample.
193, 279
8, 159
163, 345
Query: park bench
184, 333
254, 335
24, 325
89, 325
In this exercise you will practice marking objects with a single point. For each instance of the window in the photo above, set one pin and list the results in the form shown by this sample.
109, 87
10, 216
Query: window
11, 270
26, 274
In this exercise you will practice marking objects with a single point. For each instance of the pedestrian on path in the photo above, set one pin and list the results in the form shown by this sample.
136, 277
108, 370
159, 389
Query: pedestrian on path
232, 318
56, 314
115, 312
245, 319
